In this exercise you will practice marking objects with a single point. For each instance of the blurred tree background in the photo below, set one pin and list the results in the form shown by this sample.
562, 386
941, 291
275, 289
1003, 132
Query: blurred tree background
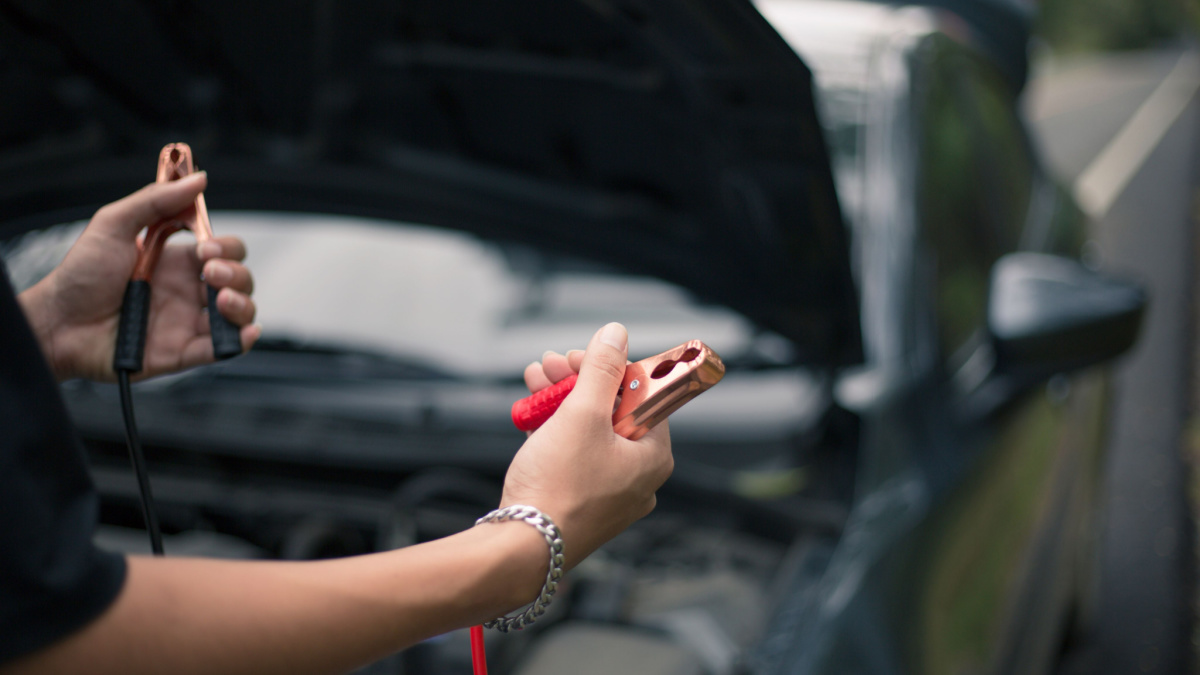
1072, 26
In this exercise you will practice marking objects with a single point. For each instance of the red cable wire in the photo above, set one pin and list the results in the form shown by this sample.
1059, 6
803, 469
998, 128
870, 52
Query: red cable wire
478, 655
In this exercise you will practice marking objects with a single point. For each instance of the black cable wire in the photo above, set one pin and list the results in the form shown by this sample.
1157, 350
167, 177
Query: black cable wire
139, 463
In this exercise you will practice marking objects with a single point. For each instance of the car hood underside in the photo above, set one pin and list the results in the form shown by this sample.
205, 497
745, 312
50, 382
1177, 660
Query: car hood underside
675, 139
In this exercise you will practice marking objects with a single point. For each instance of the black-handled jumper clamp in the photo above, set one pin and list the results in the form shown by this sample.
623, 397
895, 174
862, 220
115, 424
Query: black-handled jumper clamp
174, 162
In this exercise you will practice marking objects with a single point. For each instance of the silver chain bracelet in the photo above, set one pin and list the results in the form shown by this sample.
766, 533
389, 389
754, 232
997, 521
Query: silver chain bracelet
546, 526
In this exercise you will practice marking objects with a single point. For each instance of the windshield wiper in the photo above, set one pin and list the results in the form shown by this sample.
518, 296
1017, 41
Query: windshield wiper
286, 358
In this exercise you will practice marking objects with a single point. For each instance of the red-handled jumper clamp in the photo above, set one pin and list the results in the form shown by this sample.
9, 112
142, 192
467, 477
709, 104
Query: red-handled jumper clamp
174, 162
652, 389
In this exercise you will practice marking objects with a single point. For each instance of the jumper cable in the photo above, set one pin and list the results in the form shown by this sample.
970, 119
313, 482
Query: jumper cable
174, 162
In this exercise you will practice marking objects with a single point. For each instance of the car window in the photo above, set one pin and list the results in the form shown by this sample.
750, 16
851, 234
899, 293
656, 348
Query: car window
951, 206
1004, 155
975, 177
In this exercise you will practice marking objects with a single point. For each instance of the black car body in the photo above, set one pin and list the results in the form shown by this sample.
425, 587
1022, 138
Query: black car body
900, 471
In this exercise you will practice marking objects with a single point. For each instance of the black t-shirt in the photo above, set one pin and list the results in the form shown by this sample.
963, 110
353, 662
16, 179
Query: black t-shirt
53, 580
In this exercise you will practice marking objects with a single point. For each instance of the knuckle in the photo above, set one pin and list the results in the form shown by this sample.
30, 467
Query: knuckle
531, 376
232, 304
667, 467
248, 312
104, 213
648, 506
230, 241
243, 278
577, 406
609, 365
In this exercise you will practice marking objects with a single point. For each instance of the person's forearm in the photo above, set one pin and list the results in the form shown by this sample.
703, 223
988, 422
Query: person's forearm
210, 616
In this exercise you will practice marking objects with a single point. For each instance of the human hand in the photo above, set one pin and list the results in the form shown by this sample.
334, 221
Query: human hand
553, 368
575, 468
74, 311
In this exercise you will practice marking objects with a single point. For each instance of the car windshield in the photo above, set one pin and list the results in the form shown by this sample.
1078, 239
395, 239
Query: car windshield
459, 304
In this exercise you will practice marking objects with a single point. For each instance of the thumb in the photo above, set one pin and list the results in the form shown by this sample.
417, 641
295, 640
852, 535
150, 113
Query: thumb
603, 368
156, 202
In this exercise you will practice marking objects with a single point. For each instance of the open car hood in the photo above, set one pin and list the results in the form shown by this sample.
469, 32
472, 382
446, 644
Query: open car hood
676, 139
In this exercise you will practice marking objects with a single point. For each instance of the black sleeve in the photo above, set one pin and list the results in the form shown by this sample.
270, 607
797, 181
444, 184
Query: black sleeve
53, 580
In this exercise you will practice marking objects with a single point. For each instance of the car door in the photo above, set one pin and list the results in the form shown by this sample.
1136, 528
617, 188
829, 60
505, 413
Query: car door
1011, 482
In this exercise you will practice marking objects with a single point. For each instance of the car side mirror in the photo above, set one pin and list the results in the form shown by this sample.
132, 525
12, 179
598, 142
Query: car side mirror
1048, 315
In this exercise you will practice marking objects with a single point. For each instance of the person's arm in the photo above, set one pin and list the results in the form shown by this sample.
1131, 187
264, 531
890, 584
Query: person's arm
74, 310
190, 615
208, 616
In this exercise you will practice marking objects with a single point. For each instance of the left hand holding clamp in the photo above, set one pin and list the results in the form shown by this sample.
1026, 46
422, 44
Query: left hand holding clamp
174, 162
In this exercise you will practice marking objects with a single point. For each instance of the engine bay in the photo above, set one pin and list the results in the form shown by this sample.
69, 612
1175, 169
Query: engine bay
689, 589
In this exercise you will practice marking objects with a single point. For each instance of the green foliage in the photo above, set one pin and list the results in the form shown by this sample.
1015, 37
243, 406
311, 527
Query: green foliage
1091, 25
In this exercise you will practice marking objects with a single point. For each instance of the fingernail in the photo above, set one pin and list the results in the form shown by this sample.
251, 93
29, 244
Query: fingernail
209, 249
193, 177
615, 336
547, 353
217, 272
574, 352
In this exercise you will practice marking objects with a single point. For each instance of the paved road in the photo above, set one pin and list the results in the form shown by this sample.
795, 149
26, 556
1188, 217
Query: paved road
1122, 131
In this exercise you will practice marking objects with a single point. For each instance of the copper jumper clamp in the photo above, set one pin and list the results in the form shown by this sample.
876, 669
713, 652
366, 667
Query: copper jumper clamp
651, 390
175, 161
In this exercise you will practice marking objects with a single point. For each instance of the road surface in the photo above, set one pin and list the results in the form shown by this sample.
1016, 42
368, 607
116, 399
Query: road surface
1121, 132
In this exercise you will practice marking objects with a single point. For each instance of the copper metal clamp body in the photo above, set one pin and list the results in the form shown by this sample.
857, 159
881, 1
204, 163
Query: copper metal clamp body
655, 387
174, 162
